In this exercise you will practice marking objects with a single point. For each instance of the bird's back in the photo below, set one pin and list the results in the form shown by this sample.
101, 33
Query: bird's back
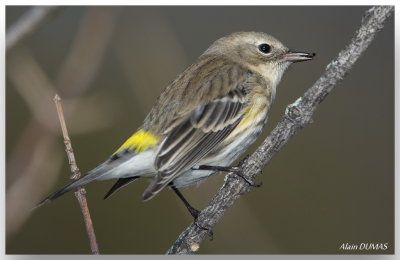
189, 90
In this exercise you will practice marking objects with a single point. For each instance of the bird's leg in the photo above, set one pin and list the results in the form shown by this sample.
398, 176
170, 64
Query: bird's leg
194, 212
217, 168
234, 170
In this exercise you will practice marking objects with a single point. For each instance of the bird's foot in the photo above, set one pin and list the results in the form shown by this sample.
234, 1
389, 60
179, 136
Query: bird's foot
235, 170
250, 183
209, 231
194, 212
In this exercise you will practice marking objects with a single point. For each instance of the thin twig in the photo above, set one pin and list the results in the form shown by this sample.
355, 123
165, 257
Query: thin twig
28, 23
35, 87
80, 193
297, 116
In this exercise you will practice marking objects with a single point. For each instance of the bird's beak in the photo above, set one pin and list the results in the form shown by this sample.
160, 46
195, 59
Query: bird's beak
296, 56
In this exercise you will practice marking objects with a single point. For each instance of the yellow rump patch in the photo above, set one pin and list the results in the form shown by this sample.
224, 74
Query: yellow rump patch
139, 141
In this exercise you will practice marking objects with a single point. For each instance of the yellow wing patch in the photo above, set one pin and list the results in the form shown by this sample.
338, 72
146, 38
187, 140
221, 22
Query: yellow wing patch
253, 113
139, 141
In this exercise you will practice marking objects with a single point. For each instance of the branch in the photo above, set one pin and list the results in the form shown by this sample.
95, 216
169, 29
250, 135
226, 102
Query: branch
27, 24
75, 174
297, 116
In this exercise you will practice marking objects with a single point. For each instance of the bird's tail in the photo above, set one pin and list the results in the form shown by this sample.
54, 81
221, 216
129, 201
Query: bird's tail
87, 178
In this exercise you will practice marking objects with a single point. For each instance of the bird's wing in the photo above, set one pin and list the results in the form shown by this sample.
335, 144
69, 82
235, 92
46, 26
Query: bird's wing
196, 134
121, 182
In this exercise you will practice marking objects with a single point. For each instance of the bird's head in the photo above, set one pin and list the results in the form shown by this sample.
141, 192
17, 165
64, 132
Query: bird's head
258, 51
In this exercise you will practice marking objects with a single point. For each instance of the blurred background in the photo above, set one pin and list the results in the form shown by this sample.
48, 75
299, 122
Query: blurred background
333, 183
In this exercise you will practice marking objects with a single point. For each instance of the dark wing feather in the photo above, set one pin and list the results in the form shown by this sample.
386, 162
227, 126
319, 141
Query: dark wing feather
121, 182
195, 136
96, 174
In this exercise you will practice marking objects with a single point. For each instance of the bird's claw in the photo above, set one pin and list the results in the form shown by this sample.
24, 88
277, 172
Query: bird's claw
210, 233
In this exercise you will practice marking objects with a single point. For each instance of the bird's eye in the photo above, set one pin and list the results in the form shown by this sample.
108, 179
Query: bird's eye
264, 48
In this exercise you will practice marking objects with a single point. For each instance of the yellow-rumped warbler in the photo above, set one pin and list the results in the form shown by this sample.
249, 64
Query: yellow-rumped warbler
208, 116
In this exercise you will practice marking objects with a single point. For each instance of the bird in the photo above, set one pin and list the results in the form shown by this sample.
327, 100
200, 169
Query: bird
202, 121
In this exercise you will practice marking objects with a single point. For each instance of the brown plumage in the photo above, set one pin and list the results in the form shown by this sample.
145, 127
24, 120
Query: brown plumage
218, 98
209, 115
